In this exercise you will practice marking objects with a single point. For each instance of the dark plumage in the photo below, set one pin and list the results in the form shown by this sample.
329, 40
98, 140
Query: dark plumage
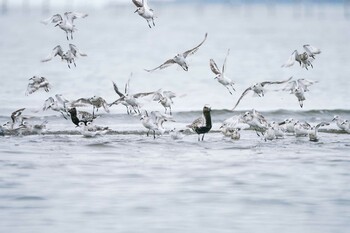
74, 117
202, 125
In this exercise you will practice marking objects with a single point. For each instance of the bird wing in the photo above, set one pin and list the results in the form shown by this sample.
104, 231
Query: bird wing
47, 103
142, 94
293, 57
290, 86
81, 101
192, 51
199, 122
243, 94
104, 105
304, 83
157, 95
322, 124
31, 88
56, 51
224, 65
53, 19
71, 16
169, 94
117, 90
164, 65
137, 3
16, 113
276, 82
214, 67
310, 50
75, 51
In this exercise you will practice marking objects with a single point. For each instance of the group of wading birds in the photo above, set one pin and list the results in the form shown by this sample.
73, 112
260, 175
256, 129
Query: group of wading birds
154, 120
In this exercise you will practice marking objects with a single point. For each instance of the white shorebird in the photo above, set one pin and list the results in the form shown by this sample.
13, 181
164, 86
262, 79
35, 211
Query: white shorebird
202, 125
37, 83
165, 98
220, 75
229, 125
259, 89
270, 133
26, 127
301, 129
144, 11
154, 122
66, 23
69, 56
305, 59
346, 125
256, 121
176, 134
180, 58
279, 130
341, 123
288, 125
298, 87
130, 101
91, 130
313, 131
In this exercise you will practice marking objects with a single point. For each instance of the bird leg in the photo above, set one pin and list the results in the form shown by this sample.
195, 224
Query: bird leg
228, 90
67, 35
154, 134
148, 24
148, 133
203, 137
153, 22
170, 111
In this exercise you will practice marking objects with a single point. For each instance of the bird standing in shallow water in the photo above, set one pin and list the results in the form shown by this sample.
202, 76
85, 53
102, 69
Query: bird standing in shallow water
202, 125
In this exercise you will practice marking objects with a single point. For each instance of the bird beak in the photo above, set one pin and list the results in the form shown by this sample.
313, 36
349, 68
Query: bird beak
57, 25
136, 10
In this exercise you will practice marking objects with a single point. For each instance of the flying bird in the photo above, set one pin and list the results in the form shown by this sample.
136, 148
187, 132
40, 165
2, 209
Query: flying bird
304, 59
66, 23
180, 58
298, 87
69, 56
37, 83
220, 75
144, 11
259, 89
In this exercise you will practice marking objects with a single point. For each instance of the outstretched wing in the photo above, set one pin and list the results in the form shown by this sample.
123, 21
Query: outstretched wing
53, 19
138, 95
305, 83
71, 16
322, 124
293, 57
117, 90
47, 103
81, 101
290, 86
310, 50
224, 65
16, 114
276, 82
31, 88
169, 94
137, 3
75, 51
214, 67
240, 98
162, 66
56, 51
192, 51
